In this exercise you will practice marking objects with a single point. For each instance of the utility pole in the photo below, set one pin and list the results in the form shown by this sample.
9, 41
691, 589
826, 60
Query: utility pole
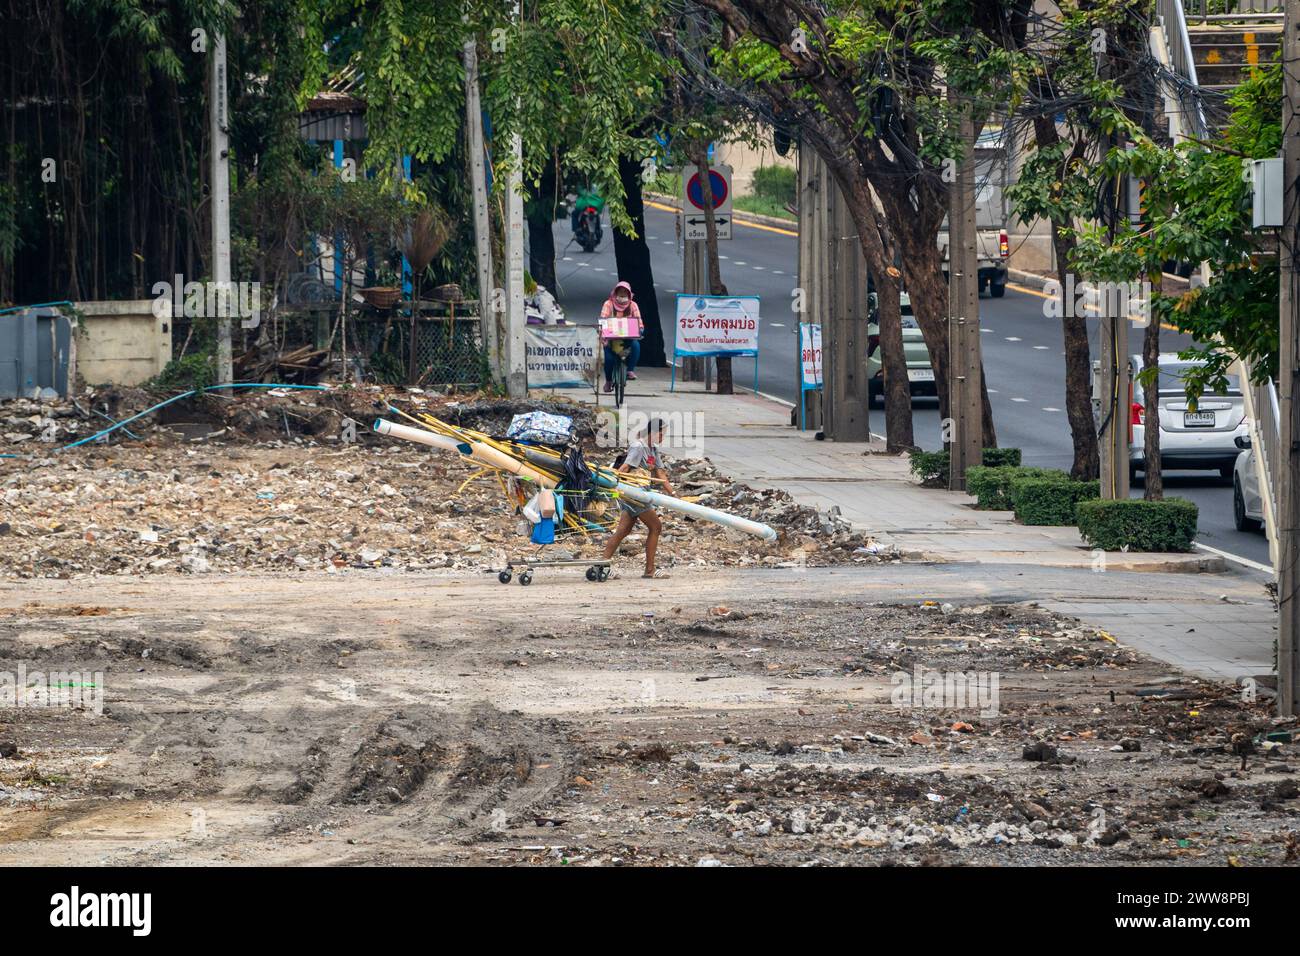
489, 318
965, 372
846, 408
516, 373
1288, 473
812, 253
219, 130
695, 281
1115, 378
1116, 383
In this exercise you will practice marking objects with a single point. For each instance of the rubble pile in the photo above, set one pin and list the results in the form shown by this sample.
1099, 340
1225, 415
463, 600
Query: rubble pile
197, 507
775, 507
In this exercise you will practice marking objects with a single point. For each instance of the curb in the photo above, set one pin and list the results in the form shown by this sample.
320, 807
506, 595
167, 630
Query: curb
751, 217
1189, 565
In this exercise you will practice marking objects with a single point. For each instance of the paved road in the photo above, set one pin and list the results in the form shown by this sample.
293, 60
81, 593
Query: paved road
1023, 355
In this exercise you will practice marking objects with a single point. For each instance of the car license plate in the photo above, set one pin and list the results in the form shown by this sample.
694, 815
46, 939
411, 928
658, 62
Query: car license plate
1198, 419
920, 375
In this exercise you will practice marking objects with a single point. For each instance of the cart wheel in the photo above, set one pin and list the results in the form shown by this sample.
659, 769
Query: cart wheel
526, 578
591, 574
504, 577
603, 574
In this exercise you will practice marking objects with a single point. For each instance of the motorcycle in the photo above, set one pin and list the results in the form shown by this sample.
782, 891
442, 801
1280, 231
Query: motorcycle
586, 220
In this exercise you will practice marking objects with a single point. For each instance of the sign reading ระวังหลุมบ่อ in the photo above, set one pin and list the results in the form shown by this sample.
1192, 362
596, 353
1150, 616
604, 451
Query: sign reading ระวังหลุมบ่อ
562, 356
717, 325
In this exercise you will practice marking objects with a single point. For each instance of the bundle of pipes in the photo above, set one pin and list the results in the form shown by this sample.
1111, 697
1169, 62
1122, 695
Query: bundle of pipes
545, 467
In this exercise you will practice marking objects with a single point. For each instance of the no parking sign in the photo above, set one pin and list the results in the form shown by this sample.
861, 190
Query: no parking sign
693, 220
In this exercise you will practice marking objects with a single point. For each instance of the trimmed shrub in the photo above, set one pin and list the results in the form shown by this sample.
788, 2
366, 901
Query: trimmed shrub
991, 487
931, 467
1139, 525
999, 458
775, 182
1051, 500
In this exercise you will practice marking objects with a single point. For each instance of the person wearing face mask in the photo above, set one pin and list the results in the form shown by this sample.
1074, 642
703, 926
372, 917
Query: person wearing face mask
618, 305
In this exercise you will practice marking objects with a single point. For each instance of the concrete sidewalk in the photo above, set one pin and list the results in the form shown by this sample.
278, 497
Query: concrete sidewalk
749, 438
1224, 629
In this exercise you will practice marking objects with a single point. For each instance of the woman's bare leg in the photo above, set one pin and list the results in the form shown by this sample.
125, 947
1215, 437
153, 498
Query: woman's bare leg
653, 526
621, 531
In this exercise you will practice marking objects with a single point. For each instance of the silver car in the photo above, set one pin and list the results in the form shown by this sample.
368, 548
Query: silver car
1247, 503
1200, 437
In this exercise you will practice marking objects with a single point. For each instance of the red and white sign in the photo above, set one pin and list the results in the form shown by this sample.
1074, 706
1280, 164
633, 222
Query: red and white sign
693, 220
810, 349
717, 325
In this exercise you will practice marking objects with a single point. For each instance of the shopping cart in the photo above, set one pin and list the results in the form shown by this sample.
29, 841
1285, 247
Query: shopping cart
598, 569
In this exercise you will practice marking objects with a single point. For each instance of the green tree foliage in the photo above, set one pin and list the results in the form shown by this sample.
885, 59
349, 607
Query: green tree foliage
577, 75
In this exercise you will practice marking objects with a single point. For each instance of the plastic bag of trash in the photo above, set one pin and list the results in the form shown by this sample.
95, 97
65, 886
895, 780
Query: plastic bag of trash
541, 427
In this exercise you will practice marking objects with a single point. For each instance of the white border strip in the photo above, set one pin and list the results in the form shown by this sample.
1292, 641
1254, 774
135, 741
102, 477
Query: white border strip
1236, 558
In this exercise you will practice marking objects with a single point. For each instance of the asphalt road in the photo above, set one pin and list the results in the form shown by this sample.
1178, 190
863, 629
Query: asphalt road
1023, 354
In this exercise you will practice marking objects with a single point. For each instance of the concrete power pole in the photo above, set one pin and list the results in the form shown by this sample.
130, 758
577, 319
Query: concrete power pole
965, 371
488, 315
845, 408
695, 281
812, 259
516, 373
1288, 473
220, 139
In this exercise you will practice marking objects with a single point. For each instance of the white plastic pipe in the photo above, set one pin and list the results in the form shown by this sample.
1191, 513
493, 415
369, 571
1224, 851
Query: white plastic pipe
419, 435
647, 497
478, 451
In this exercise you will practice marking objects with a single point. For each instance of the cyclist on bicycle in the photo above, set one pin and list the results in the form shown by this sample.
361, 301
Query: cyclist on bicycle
618, 305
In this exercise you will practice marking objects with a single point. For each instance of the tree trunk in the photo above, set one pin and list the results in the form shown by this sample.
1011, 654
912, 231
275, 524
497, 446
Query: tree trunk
632, 257
897, 389
540, 211
1078, 357
925, 283
700, 157
1153, 482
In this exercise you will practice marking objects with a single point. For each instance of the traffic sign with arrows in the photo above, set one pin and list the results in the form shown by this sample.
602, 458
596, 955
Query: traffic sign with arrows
693, 220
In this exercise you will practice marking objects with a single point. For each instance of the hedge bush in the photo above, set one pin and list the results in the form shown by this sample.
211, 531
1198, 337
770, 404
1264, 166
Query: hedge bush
932, 466
775, 182
991, 487
1139, 525
1051, 500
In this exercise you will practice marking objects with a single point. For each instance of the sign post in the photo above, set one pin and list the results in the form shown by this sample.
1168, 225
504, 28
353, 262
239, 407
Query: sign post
693, 202
712, 325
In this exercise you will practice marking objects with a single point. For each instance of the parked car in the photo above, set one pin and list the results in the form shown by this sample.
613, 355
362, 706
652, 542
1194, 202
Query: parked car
920, 373
1247, 503
1203, 437
993, 246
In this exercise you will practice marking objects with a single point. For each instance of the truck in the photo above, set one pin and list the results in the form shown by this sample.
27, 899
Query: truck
992, 243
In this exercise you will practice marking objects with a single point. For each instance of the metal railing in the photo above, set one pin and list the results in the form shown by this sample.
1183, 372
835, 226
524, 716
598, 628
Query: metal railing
1233, 11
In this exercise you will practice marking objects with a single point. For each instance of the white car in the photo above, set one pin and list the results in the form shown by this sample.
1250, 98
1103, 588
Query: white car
1247, 504
1203, 437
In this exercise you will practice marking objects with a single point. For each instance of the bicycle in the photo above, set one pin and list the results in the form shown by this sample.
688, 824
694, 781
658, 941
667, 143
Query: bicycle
619, 378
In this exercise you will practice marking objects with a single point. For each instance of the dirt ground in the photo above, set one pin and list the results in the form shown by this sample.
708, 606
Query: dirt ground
722, 717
